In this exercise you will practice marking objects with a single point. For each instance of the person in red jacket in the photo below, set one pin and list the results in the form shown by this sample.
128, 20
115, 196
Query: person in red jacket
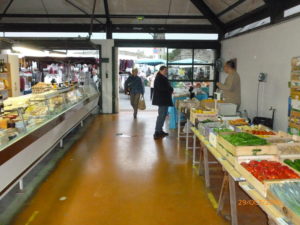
162, 97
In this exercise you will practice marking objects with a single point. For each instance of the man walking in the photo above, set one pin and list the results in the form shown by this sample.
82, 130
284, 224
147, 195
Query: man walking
162, 97
135, 86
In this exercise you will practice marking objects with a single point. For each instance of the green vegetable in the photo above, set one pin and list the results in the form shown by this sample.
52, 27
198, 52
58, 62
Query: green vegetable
294, 164
244, 139
207, 121
222, 130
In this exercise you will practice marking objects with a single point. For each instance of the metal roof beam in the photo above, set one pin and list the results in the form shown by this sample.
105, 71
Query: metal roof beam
231, 7
248, 18
276, 9
112, 16
6, 9
120, 28
258, 14
92, 19
108, 21
209, 14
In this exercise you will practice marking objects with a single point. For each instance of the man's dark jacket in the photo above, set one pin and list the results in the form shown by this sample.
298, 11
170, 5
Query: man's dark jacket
162, 95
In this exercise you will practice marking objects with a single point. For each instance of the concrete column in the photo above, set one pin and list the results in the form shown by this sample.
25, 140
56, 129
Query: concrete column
107, 75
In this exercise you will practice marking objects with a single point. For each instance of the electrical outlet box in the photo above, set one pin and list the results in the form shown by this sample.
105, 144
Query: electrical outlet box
262, 77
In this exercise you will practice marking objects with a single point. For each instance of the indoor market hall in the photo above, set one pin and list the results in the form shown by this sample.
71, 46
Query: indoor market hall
138, 112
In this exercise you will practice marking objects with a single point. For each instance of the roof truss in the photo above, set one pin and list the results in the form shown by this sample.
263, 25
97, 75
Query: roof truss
272, 8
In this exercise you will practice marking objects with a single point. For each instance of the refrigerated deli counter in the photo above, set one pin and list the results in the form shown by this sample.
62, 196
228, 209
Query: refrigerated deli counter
32, 125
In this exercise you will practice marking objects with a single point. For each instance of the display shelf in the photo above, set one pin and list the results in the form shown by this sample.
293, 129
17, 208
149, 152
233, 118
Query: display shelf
42, 133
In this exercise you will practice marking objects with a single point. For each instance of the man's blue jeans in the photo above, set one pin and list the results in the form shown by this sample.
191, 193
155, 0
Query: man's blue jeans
162, 114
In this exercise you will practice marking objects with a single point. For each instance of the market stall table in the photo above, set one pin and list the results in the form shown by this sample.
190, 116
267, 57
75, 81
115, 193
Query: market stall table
173, 110
230, 177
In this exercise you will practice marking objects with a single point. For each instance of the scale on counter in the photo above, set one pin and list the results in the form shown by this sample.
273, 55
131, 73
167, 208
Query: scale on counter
227, 109
224, 109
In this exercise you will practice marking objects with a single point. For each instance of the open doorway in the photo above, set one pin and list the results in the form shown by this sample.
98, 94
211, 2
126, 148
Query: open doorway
147, 61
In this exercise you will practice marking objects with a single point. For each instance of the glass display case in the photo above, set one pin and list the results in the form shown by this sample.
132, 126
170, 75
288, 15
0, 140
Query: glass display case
25, 114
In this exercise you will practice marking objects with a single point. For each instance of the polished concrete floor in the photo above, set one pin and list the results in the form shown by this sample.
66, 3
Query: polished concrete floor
116, 174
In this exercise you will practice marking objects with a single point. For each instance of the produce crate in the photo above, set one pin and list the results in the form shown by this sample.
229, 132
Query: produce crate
286, 150
213, 139
295, 113
247, 150
279, 204
180, 104
261, 187
280, 137
195, 116
206, 128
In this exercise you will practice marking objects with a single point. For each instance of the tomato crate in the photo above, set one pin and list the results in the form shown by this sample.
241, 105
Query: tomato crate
261, 186
280, 204
247, 150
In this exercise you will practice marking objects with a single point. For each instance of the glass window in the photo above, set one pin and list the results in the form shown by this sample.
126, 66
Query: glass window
203, 72
143, 36
180, 56
204, 56
191, 36
181, 85
292, 11
180, 72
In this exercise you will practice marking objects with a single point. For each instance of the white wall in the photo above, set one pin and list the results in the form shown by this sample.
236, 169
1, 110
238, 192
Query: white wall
268, 50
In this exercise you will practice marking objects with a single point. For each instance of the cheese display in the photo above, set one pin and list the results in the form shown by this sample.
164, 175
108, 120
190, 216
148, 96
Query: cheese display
25, 113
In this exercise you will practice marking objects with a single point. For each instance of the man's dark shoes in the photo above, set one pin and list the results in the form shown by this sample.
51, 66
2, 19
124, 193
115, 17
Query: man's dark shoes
157, 136
164, 134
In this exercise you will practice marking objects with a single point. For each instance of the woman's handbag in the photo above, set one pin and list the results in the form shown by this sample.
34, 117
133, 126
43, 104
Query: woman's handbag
142, 104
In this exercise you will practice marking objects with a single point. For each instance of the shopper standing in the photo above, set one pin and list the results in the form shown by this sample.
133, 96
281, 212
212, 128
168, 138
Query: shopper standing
135, 87
232, 86
151, 81
162, 97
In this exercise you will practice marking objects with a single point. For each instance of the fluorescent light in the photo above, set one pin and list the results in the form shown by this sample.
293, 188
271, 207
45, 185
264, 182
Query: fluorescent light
190, 36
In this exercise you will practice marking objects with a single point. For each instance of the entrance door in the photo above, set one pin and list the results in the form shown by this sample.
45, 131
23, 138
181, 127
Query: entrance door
147, 61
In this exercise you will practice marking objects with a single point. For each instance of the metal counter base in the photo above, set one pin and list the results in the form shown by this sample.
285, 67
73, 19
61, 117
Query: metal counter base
18, 159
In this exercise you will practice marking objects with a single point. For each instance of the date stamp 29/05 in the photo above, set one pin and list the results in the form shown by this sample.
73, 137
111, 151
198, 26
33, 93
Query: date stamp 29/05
262, 202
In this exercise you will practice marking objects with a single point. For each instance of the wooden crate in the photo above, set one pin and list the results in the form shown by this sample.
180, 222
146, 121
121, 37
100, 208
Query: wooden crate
194, 116
227, 155
295, 113
247, 150
290, 214
286, 155
261, 187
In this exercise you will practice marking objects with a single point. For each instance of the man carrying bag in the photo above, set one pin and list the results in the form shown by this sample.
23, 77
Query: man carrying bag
135, 86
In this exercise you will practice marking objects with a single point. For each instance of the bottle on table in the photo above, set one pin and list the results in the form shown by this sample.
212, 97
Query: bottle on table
1, 105
1, 66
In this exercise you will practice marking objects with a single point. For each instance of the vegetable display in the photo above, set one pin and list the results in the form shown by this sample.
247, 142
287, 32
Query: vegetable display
221, 130
262, 132
244, 139
257, 130
208, 121
288, 193
269, 170
294, 164
238, 122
